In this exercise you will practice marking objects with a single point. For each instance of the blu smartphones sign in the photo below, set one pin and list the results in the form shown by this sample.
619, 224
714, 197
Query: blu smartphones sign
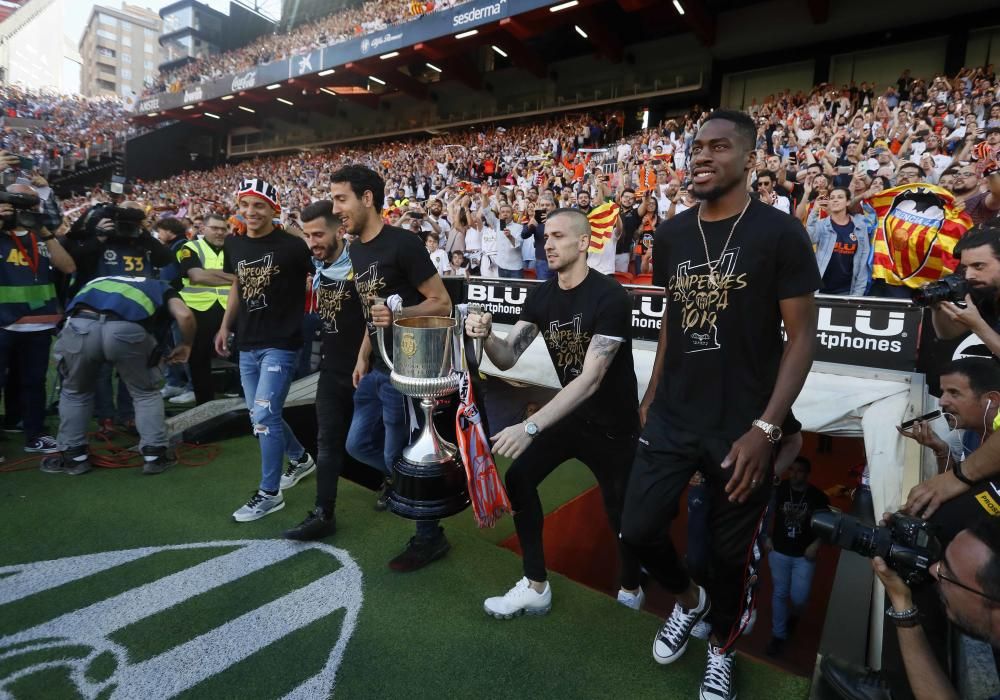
880, 333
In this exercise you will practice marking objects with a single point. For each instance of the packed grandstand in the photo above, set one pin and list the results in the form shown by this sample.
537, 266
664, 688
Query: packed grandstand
885, 179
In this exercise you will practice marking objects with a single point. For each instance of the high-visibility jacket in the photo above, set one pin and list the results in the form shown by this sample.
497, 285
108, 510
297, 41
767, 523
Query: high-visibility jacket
199, 297
131, 298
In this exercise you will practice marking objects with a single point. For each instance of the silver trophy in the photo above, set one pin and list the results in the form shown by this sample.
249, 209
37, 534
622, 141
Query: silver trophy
428, 480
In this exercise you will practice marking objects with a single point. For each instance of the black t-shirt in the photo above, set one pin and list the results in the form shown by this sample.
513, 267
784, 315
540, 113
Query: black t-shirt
792, 511
271, 277
567, 320
839, 273
394, 262
339, 308
724, 344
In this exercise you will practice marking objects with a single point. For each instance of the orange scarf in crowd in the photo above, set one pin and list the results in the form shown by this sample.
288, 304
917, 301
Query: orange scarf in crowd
918, 227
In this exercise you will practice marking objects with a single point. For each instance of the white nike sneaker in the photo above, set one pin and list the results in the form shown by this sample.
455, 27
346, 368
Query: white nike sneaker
169, 391
632, 600
519, 599
702, 631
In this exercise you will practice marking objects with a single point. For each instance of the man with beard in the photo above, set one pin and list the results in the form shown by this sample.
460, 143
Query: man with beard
393, 275
584, 318
981, 206
335, 300
979, 253
721, 386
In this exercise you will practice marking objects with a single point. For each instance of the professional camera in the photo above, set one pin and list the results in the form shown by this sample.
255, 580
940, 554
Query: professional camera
127, 222
908, 545
26, 212
950, 288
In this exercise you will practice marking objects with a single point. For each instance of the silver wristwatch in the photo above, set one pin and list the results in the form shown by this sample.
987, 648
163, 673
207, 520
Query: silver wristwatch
530, 429
773, 432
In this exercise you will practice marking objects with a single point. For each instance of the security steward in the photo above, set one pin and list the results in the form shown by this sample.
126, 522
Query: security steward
29, 313
122, 321
205, 290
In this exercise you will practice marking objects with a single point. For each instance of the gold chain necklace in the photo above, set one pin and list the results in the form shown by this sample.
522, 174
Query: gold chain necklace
713, 274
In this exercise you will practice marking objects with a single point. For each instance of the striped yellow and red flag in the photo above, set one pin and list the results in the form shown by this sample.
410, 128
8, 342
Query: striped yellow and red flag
602, 225
917, 229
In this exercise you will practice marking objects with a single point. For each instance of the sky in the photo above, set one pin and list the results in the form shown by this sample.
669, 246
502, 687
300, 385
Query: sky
77, 12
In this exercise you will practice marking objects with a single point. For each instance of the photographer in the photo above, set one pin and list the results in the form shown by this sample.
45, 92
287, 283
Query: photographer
29, 253
967, 579
979, 254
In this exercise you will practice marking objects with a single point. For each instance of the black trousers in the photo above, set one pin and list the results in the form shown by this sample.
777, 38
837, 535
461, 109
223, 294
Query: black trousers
203, 350
609, 457
334, 410
665, 460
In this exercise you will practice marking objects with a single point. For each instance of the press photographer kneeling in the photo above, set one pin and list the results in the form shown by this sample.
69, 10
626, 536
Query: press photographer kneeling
969, 300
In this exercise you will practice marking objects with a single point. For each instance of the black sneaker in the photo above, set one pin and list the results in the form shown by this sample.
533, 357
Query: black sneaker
63, 464
854, 682
717, 683
165, 458
316, 526
419, 553
382, 498
672, 639
775, 647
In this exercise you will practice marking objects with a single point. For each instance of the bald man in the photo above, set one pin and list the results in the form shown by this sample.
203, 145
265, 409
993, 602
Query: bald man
584, 318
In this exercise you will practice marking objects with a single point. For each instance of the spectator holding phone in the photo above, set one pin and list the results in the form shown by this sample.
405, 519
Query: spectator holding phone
843, 243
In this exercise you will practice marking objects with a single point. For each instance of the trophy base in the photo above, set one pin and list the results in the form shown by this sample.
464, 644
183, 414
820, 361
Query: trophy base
428, 491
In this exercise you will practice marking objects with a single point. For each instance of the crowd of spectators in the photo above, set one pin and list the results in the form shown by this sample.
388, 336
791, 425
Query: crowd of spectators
61, 125
943, 131
340, 26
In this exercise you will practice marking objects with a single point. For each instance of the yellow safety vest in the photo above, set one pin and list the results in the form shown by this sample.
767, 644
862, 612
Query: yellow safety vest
201, 298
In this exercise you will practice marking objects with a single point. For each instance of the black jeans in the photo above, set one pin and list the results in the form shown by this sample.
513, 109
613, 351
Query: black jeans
202, 352
665, 460
609, 457
30, 351
334, 410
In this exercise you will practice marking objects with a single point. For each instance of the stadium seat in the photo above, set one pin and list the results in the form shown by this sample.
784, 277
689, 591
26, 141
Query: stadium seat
645, 279
624, 277
529, 274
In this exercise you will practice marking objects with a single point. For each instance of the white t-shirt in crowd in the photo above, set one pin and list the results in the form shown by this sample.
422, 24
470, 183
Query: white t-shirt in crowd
440, 260
488, 247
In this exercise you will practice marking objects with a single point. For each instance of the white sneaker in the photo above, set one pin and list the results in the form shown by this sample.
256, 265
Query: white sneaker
169, 391
519, 599
297, 471
702, 630
259, 505
718, 681
632, 600
183, 397
672, 639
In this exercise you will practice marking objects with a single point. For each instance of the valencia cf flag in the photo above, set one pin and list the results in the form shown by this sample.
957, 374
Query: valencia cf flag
917, 228
602, 225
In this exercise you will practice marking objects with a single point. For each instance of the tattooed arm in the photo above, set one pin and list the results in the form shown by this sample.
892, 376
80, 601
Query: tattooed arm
506, 352
512, 441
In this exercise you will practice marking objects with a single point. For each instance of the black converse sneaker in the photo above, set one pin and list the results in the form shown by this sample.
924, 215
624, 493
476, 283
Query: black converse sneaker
672, 639
718, 681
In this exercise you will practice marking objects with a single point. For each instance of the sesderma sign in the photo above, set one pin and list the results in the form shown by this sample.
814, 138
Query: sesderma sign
476, 14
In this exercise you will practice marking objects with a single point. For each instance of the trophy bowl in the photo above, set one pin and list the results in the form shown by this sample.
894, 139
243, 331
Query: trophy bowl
428, 480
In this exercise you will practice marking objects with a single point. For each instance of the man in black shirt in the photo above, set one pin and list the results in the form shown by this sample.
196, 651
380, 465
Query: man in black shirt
266, 306
335, 301
792, 549
391, 266
630, 224
722, 383
585, 319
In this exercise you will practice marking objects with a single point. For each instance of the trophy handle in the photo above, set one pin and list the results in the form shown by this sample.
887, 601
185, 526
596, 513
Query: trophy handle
380, 334
477, 343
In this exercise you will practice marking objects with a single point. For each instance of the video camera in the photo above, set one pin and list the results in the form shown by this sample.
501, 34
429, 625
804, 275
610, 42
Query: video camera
26, 213
908, 545
127, 222
952, 288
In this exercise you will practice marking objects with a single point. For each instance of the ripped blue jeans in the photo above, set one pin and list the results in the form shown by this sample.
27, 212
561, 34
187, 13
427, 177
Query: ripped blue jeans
266, 375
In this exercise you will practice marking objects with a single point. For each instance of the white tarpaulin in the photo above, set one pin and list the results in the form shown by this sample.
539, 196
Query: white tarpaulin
859, 403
